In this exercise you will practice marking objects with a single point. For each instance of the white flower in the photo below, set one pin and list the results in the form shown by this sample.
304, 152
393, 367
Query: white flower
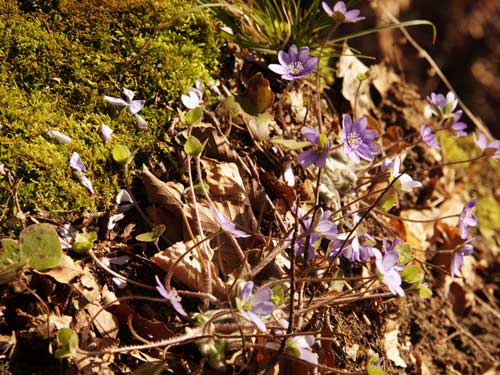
63, 138
133, 106
405, 183
194, 98
106, 132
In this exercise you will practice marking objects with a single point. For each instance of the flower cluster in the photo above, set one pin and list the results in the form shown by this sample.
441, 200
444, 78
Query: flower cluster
133, 106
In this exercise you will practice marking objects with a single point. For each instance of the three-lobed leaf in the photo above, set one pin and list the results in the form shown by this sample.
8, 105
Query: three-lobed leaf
40, 244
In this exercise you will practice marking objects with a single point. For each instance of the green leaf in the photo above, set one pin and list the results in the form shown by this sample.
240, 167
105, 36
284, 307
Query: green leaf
68, 340
150, 368
386, 202
193, 146
230, 105
121, 154
40, 243
405, 253
153, 235
84, 242
385, 27
11, 260
412, 274
424, 292
193, 116
373, 370
278, 295
291, 144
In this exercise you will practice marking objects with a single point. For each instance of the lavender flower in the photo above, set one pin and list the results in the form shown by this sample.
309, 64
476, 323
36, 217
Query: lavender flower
442, 106
318, 154
428, 137
297, 346
195, 96
359, 248
492, 149
467, 219
404, 183
358, 140
458, 125
133, 106
63, 138
124, 201
252, 306
387, 271
340, 12
324, 229
76, 163
295, 64
106, 132
172, 296
458, 256
227, 225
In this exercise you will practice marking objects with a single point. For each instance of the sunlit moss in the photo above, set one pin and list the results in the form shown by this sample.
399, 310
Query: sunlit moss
58, 59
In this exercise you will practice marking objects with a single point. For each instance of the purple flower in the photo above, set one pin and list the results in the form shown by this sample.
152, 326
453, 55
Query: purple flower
76, 163
340, 12
358, 140
458, 125
227, 225
458, 256
124, 201
387, 271
318, 154
295, 64
172, 296
297, 346
428, 137
324, 229
195, 96
133, 106
404, 183
490, 149
251, 306
106, 132
442, 106
63, 138
360, 247
467, 219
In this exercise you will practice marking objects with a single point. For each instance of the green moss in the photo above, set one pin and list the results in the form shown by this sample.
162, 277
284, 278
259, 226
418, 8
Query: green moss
488, 215
58, 59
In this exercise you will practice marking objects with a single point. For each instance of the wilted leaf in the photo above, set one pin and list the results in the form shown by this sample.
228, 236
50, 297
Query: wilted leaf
291, 144
189, 270
217, 146
162, 193
105, 322
40, 243
258, 96
121, 154
65, 271
259, 126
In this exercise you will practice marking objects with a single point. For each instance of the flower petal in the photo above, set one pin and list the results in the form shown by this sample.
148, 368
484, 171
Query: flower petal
59, 136
115, 101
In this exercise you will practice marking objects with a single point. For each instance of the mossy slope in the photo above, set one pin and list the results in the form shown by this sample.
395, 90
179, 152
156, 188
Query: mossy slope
57, 61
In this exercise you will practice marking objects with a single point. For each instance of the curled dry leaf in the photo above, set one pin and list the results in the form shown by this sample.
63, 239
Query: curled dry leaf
349, 67
65, 271
217, 147
391, 346
189, 270
105, 322
167, 194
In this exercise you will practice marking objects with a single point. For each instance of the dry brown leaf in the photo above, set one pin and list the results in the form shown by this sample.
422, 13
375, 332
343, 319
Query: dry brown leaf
391, 346
65, 271
224, 180
105, 322
348, 68
150, 330
418, 233
168, 194
217, 147
189, 270
88, 286
382, 78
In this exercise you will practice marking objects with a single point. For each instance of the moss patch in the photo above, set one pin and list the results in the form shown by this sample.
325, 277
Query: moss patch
57, 61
